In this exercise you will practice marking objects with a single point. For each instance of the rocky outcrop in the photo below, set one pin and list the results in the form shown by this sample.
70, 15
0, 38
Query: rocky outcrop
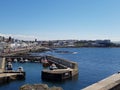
39, 87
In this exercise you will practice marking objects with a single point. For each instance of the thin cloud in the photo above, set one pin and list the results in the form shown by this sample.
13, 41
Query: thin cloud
20, 37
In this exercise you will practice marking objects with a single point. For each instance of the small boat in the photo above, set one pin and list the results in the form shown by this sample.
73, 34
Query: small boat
15, 60
45, 63
36, 61
9, 60
21, 61
20, 69
9, 66
53, 67
66, 52
62, 52
26, 60
74, 53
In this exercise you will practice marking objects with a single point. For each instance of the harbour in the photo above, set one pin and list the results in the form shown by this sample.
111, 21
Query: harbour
105, 61
59, 45
65, 69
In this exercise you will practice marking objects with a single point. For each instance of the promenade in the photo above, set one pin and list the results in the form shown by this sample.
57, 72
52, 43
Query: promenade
24, 50
110, 83
2, 64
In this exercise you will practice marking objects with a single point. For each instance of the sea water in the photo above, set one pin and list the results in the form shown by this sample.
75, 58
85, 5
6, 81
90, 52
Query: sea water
94, 64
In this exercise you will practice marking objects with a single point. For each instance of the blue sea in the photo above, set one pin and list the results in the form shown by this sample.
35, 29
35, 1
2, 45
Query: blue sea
94, 64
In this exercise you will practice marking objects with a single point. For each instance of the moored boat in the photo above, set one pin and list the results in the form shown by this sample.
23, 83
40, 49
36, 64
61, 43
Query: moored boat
9, 66
20, 69
53, 67
45, 63
15, 60
21, 61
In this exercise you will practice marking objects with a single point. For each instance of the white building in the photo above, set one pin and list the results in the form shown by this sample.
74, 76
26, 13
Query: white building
3, 45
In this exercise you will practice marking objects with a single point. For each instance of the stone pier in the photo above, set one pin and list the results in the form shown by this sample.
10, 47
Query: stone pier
7, 76
68, 69
110, 83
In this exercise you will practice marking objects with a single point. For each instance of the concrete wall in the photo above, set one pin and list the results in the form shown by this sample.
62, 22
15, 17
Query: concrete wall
64, 62
67, 64
110, 83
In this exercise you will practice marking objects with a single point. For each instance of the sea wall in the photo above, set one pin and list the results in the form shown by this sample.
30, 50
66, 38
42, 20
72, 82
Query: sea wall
63, 62
66, 64
110, 83
7, 76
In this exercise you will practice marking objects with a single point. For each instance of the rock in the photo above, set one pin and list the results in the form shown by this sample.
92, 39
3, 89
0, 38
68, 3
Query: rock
55, 88
39, 87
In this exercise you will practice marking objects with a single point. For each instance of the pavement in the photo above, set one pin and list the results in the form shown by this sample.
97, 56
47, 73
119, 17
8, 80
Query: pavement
106, 84
2, 64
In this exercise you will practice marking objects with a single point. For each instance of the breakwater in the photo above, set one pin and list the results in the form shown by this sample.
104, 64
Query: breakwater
66, 69
110, 83
8, 75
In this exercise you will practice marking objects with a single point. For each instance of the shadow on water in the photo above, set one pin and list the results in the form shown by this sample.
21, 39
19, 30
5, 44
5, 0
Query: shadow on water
75, 78
12, 82
5, 82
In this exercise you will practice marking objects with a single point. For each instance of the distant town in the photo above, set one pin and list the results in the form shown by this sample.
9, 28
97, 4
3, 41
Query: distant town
11, 44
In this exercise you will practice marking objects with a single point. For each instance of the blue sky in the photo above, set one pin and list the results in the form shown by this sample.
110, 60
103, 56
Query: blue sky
61, 19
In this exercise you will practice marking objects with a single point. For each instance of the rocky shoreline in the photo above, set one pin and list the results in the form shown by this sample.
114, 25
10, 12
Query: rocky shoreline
39, 87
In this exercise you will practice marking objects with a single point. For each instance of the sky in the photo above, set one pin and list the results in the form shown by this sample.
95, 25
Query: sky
60, 19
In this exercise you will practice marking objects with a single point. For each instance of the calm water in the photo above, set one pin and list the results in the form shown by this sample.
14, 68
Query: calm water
94, 65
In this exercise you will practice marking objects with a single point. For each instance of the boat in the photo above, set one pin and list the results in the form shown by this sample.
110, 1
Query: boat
74, 53
45, 63
21, 61
9, 60
20, 69
9, 66
26, 60
53, 67
62, 52
66, 52
15, 60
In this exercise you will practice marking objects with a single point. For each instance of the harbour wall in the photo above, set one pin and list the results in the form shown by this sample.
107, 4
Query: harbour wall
67, 70
65, 64
7, 76
110, 83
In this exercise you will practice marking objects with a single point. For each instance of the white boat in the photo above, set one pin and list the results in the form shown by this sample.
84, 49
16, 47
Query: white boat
26, 60
21, 61
20, 69
9, 66
53, 66
15, 60
74, 52
45, 62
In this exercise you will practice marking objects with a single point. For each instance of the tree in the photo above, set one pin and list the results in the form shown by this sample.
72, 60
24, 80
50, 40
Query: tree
9, 39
